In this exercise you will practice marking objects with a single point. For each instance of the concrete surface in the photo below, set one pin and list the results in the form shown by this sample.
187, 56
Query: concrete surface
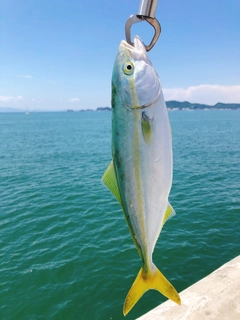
217, 296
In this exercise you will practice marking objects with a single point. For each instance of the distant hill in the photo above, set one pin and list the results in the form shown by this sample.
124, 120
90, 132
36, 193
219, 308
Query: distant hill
171, 105
176, 105
8, 109
103, 109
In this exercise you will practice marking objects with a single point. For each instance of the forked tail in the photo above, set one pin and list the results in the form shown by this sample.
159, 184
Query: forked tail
146, 281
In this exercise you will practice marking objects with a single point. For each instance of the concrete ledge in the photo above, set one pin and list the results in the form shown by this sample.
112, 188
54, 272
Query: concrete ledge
217, 296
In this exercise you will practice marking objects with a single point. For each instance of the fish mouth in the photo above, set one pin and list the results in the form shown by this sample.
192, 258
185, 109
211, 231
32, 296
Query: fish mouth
138, 54
137, 51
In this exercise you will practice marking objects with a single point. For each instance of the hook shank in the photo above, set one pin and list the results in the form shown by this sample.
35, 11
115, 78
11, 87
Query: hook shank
147, 8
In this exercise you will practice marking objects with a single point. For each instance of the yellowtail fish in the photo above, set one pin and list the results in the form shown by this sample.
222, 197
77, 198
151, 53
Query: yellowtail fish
140, 173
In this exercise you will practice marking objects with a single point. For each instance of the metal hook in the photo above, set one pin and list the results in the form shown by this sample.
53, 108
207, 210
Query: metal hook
139, 18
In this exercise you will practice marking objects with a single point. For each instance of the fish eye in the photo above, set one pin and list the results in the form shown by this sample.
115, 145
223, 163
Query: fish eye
128, 68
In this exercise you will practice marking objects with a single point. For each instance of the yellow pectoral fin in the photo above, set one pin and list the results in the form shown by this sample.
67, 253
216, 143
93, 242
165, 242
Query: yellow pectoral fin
109, 179
146, 124
146, 281
170, 212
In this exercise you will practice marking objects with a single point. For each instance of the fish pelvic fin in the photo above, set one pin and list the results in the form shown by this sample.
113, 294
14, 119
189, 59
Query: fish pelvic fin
145, 281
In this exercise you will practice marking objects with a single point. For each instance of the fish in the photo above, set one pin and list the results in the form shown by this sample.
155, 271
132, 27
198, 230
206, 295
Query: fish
140, 173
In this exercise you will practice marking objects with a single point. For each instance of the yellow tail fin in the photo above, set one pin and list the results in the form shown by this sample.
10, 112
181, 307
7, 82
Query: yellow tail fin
146, 281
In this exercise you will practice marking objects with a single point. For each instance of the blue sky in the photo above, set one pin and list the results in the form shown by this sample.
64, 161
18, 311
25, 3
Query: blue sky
56, 55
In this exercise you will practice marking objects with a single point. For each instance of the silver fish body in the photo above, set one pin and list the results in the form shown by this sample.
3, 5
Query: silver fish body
143, 169
142, 160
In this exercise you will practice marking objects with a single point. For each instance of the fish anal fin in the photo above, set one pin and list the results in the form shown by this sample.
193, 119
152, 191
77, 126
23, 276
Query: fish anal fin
109, 179
170, 212
145, 281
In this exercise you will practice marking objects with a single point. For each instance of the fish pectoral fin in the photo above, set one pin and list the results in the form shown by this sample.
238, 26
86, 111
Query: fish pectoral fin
170, 212
109, 179
146, 281
146, 124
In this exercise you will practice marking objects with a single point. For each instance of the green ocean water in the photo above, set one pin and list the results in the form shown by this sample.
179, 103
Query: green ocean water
65, 249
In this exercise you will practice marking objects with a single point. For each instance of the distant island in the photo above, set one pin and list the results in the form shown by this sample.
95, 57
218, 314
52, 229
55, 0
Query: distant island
8, 109
98, 109
171, 105
104, 109
176, 105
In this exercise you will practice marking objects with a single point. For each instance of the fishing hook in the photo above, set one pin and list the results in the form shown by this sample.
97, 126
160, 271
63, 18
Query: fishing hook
146, 11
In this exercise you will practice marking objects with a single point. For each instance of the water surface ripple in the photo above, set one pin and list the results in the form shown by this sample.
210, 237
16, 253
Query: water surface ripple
65, 249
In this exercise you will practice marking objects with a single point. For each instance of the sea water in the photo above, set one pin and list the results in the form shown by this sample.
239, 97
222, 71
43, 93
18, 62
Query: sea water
65, 249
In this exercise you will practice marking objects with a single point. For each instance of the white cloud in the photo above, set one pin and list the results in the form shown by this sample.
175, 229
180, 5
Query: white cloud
204, 93
27, 76
74, 100
10, 99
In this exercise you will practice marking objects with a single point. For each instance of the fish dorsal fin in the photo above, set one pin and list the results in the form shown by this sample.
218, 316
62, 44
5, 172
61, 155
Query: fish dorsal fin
170, 212
109, 179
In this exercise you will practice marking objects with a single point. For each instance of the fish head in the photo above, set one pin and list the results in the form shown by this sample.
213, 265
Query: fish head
134, 81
